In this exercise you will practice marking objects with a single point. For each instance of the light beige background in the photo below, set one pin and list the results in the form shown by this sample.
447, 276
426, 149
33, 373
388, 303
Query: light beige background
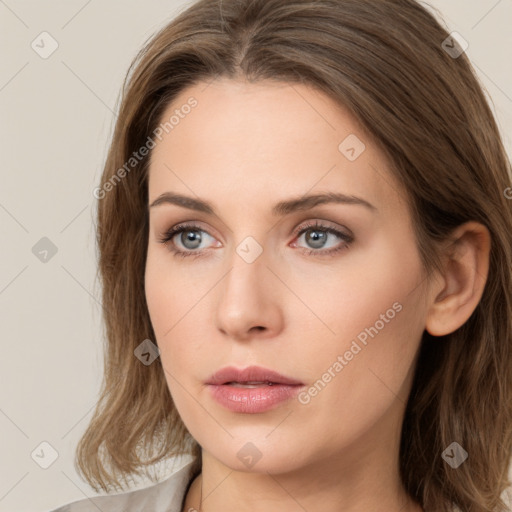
57, 115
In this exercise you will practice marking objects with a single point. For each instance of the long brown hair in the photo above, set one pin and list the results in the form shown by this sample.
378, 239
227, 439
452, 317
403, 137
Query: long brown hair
387, 61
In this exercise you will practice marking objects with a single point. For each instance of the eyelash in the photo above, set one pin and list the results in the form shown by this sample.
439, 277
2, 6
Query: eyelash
180, 228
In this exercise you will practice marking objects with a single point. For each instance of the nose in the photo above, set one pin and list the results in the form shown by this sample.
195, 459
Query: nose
249, 301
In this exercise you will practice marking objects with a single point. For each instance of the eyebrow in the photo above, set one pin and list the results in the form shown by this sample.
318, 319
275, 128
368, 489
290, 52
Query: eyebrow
279, 209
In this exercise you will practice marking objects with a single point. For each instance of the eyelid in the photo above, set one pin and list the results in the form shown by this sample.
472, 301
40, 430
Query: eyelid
324, 225
188, 225
346, 237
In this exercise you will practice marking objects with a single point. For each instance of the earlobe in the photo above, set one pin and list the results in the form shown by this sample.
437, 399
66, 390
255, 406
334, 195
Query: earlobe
464, 276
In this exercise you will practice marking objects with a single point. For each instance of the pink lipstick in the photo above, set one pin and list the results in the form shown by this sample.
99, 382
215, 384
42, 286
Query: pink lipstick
251, 390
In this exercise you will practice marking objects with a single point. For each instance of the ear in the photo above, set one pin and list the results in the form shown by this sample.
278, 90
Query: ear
466, 265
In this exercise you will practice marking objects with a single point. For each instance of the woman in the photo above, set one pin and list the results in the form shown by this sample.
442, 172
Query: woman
304, 232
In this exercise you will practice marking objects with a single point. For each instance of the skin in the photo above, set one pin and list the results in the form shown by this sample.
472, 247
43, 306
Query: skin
244, 148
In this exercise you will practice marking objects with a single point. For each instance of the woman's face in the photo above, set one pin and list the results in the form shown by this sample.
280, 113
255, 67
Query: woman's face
330, 294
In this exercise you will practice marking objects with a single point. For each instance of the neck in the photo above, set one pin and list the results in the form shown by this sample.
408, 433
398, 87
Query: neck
327, 486
360, 474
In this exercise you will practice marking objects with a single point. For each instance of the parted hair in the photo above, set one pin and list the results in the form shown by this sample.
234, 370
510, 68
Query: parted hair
392, 64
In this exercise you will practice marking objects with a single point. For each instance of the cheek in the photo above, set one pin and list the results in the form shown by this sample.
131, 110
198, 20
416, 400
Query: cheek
166, 307
175, 303
158, 298
376, 280
374, 311
170, 293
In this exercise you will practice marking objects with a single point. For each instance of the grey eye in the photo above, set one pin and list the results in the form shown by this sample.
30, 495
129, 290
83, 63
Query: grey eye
191, 238
316, 237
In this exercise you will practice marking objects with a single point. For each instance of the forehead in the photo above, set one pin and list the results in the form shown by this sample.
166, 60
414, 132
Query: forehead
265, 141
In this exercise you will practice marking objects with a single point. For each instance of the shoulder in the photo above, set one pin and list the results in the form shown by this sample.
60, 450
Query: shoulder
165, 496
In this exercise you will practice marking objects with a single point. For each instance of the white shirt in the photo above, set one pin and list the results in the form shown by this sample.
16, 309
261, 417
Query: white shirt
165, 496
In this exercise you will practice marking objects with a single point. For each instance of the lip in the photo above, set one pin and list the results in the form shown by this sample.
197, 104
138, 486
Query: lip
254, 400
250, 374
